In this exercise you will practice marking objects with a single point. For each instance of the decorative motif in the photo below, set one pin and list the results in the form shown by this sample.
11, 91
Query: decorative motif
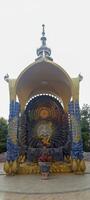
34, 168
11, 167
44, 113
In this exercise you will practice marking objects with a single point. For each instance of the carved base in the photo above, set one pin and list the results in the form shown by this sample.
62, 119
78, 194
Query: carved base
35, 169
76, 166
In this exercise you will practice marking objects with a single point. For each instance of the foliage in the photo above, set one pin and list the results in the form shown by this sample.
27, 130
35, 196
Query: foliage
3, 134
85, 126
85, 118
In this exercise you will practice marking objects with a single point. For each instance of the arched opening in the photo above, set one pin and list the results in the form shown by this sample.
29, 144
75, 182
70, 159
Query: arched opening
44, 123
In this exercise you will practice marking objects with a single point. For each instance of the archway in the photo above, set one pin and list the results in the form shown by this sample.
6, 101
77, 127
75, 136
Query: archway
45, 123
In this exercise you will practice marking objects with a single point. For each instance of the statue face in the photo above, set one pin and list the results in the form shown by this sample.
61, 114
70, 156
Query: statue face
44, 129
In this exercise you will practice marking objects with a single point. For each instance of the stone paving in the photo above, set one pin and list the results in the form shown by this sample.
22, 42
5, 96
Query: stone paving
58, 187
84, 195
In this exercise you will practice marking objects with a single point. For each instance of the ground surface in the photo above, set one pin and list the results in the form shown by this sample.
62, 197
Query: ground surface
58, 187
84, 195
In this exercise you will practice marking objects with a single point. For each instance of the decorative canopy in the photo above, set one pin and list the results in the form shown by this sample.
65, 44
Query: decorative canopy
44, 76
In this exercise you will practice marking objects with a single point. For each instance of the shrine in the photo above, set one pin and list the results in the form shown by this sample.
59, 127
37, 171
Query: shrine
44, 117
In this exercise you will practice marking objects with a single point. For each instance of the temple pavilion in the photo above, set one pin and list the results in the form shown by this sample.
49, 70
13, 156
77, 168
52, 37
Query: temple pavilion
44, 115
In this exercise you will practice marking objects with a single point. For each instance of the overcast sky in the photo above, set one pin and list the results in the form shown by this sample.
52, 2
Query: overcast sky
68, 35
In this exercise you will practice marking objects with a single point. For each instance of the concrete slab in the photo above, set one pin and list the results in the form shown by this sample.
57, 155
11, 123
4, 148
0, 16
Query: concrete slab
60, 186
84, 195
32, 184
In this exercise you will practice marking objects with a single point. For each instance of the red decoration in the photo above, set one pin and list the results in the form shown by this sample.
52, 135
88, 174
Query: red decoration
45, 158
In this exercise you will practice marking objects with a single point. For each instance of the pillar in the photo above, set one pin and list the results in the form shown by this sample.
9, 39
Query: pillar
78, 164
10, 165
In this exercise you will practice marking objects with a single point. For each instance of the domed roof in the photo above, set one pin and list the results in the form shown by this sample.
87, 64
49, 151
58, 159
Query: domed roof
43, 76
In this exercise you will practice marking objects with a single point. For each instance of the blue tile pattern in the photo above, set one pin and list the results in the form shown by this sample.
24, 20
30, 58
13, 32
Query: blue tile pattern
12, 150
77, 145
12, 147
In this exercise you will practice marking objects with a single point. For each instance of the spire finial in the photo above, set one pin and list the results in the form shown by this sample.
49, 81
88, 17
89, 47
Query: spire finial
44, 51
43, 38
43, 32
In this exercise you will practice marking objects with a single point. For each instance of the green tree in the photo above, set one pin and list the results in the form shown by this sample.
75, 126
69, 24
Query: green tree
3, 134
85, 126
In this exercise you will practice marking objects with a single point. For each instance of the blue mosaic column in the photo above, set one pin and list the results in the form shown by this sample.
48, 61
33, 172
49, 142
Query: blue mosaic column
12, 146
77, 145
